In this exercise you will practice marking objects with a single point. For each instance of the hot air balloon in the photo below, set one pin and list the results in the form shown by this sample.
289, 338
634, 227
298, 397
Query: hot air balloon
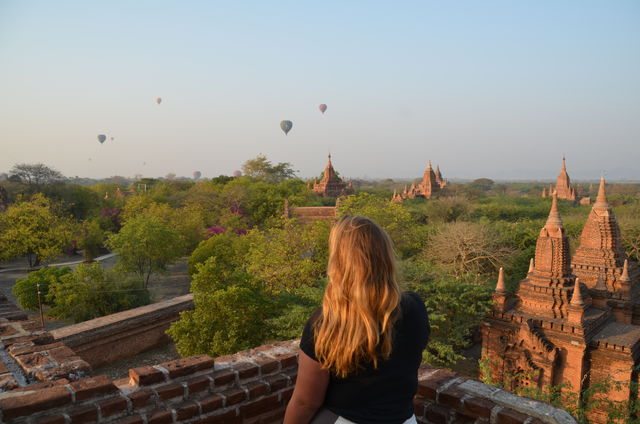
322, 107
158, 100
197, 175
237, 173
286, 126
102, 138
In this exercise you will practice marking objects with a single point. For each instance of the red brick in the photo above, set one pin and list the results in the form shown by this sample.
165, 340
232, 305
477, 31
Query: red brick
211, 403
268, 365
509, 416
113, 406
226, 417
140, 398
292, 374
286, 394
274, 417
246, 370
136, 419
436, 414
42, 385
160, 417
287, 360
277, 382
83, 415
188, 410
224, 377
427, 388
58, 419
94, 386
257, 389
234, 396
198, 384
40, 400
460, 418
144, 376
478, 407
451, 397
185, 366
170, 391
259, 406
418, 407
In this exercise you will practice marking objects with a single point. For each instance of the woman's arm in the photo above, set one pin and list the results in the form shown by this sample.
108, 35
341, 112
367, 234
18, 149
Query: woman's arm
308, 394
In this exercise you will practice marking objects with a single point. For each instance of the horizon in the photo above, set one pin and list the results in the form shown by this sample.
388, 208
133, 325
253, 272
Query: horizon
512, 86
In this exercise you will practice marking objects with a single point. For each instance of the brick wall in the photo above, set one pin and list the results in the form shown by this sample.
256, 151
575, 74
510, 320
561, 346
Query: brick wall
252, 386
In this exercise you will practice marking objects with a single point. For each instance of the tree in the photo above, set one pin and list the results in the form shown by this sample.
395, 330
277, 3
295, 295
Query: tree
467, 248
146, 245
26, 289
261, 168
90, 239
32, 228
230, 313
90, 291
35, 175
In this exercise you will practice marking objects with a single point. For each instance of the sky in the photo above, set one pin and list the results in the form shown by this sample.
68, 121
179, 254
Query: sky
497, 89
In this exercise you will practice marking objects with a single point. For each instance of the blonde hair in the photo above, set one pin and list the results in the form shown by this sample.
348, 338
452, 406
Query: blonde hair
362, 299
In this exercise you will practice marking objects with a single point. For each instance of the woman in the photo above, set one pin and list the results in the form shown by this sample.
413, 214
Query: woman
361, 351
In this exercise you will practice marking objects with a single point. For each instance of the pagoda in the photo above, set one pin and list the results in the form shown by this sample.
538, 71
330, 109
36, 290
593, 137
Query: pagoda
331, 185
432, 182
563, 185
555, 330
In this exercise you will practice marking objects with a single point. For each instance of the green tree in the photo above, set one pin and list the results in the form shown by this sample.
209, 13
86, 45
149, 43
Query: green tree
146, 245
229, 315
90, 238
90, 292
36, 175
262, 168
32, 228
26, 289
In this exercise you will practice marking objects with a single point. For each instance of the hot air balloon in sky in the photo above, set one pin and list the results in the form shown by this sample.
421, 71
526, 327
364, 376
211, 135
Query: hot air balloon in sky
197, 175
322, 108
102, 138
158, 100
286, 126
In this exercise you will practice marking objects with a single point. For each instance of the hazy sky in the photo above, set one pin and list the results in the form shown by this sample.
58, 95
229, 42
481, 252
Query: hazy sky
497, 89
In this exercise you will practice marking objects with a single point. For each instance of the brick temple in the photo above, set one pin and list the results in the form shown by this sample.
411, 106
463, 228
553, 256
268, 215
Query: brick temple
573, 321
431, 183
563, 185
331, 185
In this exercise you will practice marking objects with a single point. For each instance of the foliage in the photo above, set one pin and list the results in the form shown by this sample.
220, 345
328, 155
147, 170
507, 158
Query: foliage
393, 217
35, 175
228, 249
33, 228
26, 289
467, 248
447, 209
90, 291
90, 239
261, 168
455, 305
146, 245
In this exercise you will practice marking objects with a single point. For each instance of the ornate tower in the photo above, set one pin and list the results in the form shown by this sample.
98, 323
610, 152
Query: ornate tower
331, 185
429, 185
563, 184
600, 259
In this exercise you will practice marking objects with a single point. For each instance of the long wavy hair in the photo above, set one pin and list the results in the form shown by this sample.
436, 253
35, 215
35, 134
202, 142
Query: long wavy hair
362, 299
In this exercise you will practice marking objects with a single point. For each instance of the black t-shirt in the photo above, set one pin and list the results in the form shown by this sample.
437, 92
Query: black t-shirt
382, 395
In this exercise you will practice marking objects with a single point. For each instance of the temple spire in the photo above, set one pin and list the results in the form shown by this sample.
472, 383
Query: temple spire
564, 164
554, 221
501, 287
578, 296
601, 200
429, 164
531, 266
625, 272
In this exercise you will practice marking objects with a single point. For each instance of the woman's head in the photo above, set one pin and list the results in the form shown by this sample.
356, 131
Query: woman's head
362, 297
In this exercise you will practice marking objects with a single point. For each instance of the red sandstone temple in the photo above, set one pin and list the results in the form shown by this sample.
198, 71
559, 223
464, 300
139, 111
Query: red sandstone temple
563, 185
432, 182
331, 185
573, 320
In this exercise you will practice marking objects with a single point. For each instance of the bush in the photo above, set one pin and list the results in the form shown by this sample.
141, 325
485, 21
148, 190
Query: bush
26, 289
90, 292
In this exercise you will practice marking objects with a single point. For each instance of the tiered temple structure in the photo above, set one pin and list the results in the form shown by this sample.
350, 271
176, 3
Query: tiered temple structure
432, 182
573, 326
563, 185
331, 185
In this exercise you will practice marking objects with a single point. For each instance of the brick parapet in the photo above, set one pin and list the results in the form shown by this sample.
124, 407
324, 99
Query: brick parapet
251, 387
